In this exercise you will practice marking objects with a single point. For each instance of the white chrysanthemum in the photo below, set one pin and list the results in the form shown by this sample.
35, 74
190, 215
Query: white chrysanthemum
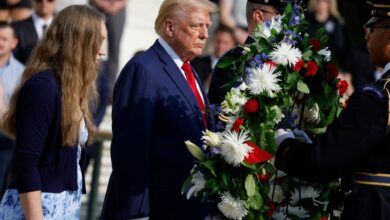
286, 54
233, 147
263, 30
211, 139
278, 114
312, 115
326, 53
305, 193
264, 80
277, 193
198, 182
234, 101
280, 215
300, 212
231, 207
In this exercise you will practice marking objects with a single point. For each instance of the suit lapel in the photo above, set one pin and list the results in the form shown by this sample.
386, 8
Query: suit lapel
176, 76
31, 29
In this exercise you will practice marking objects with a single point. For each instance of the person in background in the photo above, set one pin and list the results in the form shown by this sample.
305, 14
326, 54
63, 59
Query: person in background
10, 73
50, 118
115, 11
324, 14
14, 10
32, 29
159, 103
356, 146
223, 40
233, 15
257, 11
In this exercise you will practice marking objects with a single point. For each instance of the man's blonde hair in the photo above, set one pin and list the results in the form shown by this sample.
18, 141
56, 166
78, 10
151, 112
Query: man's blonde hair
175, 9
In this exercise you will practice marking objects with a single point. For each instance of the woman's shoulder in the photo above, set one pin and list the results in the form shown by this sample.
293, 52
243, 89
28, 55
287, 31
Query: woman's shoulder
44, 79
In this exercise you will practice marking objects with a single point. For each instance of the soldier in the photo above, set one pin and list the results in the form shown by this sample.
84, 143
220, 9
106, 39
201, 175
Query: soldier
257, 11
357, 144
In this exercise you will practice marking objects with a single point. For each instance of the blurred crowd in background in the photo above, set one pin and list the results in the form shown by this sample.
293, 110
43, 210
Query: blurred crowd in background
23, 23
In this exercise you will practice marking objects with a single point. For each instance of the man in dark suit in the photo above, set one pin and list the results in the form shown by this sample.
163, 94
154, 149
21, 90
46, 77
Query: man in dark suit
32, 29
357, 144
223, 40
158, 103
257, 11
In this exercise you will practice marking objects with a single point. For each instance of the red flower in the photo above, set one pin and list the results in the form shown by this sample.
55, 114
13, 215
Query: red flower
257, 155
251, 106
324, 218
298, 66
312, 68
272, 209
237, 124
263, 178
315, 44
332, 71
271, 63
342, 86
345, 103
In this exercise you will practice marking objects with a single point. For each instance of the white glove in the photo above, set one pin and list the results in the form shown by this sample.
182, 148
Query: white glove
302, 136
281, 135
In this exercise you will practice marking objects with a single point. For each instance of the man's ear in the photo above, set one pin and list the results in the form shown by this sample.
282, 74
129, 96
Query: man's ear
169, 27
14, 42
257, 16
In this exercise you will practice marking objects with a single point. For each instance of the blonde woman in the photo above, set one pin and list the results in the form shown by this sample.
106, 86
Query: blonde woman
49, 118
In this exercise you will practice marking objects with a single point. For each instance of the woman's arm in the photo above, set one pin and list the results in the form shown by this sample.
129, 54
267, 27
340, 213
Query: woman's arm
32, 205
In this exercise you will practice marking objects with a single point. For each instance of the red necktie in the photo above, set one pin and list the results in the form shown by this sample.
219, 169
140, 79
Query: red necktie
192, 83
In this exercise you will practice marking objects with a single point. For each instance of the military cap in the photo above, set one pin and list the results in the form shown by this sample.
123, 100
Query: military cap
278, 4
380, 10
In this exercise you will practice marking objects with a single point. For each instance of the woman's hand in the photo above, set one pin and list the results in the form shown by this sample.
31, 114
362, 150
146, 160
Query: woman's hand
12, 2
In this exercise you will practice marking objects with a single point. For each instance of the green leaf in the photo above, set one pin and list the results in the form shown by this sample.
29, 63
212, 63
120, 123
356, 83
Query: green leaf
302, 87
270, 136
225, 62
195, 150
307, 54
255, 202
186, 184
210, 165
225, 180
250, 185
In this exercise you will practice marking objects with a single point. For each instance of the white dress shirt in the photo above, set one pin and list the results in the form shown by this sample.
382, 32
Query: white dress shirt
39, 23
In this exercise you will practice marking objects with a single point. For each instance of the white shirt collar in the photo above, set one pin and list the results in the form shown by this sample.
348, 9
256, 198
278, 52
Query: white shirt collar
171, 53
39, 23
386, 68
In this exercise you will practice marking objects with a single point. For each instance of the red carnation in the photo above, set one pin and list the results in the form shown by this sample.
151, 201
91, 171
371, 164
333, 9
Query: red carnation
312, 68
264, 177
257, 155
333, 72
271, 63
272, 209
315, 44
342, 86
324, 218
237, 124
251, 106
298, 66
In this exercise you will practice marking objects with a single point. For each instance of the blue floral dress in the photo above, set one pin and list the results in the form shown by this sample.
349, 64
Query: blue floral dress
56, 206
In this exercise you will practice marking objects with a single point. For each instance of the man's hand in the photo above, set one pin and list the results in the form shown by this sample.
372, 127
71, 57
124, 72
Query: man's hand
281, 135
302, 136
12, 2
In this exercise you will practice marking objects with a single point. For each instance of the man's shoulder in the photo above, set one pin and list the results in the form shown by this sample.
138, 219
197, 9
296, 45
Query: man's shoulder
18, 25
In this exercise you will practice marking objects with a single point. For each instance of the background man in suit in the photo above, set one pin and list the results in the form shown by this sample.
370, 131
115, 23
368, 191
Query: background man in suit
29, 31
223, 40
158, 104
257, 11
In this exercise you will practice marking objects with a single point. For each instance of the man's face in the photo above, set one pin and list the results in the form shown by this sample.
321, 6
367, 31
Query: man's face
44, 7
189, 35
377, 41
8, 41
223, 41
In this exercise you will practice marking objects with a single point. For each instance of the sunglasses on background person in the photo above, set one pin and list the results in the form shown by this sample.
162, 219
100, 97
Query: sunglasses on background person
40, 1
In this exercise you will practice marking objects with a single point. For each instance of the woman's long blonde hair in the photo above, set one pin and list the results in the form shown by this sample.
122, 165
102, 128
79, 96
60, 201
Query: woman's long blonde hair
69, 48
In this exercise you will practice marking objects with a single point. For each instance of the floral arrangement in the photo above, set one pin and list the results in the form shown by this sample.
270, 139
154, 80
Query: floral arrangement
284, 79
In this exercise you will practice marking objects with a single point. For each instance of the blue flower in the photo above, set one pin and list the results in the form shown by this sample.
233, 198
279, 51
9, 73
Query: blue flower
296, 17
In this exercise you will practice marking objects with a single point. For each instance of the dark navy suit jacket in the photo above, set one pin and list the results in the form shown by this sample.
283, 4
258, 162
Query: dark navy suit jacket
154, 112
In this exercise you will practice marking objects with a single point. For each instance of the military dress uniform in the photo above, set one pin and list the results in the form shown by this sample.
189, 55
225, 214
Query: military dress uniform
221, 77
357, 144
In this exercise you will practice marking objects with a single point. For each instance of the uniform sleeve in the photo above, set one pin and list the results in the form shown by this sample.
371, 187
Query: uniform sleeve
359, 130
34, 115
133, 116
